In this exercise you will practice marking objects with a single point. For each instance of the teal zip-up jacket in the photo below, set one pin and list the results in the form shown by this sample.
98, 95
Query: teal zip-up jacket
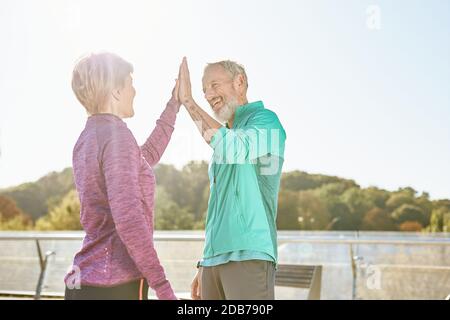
244, 174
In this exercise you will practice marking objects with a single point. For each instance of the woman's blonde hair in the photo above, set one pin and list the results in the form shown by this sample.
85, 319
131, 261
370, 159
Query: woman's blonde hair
94, 77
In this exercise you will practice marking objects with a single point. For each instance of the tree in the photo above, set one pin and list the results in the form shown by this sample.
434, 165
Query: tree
407, 212
440, 220
34, 198
339, 213
408, 191
11, 217
331, 190
377, 219
359, 203
8, 208
425, 204
306, 201
398, 199
64, 216
342, 218
312, 213
169, 216
195, 183
169, 177
377, 196
441, 203
410, 226
17, 223
287, 212
299, 180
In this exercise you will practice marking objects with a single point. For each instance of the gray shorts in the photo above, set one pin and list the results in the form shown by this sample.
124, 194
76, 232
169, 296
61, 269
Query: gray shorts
239, 280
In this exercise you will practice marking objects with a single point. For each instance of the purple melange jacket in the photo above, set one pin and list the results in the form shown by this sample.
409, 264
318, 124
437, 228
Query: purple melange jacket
116, 187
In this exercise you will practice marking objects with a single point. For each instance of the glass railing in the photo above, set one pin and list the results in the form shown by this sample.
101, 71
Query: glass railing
355, 265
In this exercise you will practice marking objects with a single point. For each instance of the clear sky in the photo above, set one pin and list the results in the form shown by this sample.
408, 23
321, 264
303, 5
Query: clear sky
362, 93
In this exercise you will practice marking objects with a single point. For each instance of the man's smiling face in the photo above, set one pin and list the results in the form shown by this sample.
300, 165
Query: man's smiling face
220, 92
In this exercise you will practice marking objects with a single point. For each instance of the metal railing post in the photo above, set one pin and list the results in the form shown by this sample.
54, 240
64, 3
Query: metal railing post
43, 263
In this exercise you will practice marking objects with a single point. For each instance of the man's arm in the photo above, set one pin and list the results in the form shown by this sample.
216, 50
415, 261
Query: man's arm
206, 124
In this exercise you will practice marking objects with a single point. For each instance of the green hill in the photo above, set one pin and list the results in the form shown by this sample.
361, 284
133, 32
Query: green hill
306, 202
35, 198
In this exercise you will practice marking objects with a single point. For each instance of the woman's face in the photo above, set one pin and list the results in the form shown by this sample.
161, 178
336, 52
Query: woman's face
127, 94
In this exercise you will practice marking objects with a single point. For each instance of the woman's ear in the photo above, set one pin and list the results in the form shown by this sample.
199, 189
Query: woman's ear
116, 94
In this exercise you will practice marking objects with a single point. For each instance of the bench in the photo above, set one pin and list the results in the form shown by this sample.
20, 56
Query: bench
300, 276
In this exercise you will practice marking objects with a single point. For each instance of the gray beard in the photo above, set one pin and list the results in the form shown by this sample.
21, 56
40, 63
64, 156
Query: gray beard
227, 111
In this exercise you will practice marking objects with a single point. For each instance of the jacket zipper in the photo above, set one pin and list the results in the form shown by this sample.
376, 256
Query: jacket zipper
215, 207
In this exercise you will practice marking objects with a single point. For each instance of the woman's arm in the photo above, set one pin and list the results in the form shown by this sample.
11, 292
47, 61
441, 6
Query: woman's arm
121, 165
158, 140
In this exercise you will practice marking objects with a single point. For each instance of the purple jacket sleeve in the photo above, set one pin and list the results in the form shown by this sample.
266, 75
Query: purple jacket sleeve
121, 163
158, 140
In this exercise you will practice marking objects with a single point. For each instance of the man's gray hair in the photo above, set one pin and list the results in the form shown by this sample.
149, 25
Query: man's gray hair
232, 67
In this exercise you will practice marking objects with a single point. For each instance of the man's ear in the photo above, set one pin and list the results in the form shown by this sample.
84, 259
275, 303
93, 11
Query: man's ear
239, 82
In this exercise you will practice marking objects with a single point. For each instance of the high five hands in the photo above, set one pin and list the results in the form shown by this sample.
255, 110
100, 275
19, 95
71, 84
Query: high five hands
206, 125
184, 80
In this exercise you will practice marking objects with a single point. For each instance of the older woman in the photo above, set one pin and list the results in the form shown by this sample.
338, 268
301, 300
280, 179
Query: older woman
116, 186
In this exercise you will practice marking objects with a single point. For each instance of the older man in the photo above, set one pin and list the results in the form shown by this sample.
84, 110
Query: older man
240, 253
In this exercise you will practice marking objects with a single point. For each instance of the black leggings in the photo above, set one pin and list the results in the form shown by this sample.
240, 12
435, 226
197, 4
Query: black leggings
135, 290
